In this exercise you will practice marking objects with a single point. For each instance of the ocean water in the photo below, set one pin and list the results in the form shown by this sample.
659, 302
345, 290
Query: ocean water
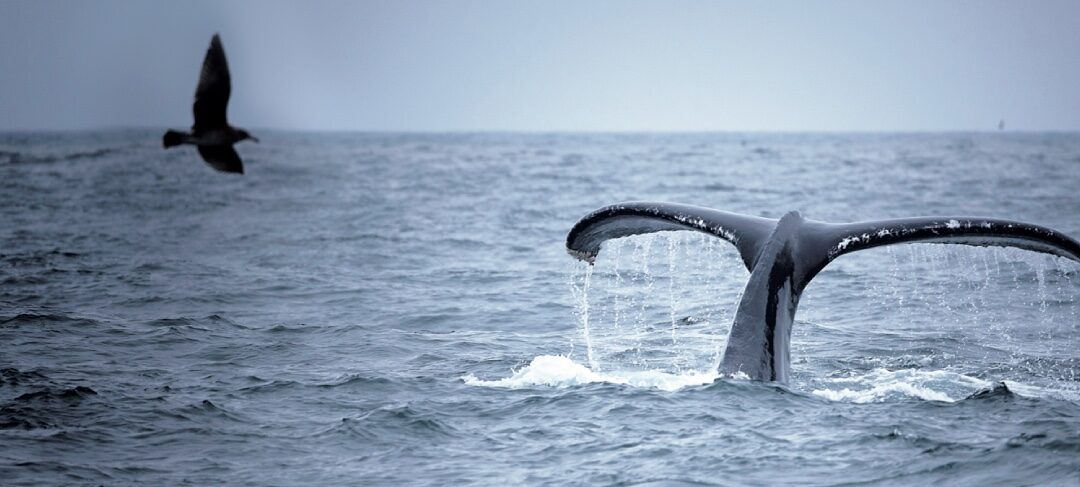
388, 309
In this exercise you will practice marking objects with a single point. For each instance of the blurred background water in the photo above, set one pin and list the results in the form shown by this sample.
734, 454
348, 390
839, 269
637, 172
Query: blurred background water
398, 308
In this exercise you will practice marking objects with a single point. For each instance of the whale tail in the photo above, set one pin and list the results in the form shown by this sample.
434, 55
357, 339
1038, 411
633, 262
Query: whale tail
173, 138
819, 242
784, 255
747, 233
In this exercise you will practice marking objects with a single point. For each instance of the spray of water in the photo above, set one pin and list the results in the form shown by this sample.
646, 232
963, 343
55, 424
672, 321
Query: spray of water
990, 314
637, 316
941, 321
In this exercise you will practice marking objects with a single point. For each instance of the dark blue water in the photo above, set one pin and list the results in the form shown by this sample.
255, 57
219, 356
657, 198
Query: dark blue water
399, 309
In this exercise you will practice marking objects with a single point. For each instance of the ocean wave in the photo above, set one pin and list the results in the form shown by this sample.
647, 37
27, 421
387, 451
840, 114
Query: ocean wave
16, 157
390, 423
24, 418
11, 376
560, 372
93, 154
35, 258
74, 393
275, 386
884, 385
408, 418
206, 323
42, 319
356, 380
62, 472
207, 415
32, 400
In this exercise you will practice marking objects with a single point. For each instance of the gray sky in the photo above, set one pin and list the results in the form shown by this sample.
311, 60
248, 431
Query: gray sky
551, 65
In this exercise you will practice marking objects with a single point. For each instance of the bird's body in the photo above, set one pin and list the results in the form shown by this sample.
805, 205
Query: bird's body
225, 136
211, 132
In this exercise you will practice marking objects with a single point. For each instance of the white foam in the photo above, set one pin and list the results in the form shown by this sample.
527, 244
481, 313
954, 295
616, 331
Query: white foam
560, 372
1028, 390
881, 385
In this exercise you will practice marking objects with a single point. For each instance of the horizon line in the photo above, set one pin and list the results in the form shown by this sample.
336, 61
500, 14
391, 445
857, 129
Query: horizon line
567, 131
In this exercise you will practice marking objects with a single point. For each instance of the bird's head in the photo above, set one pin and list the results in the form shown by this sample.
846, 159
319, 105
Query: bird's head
245, 135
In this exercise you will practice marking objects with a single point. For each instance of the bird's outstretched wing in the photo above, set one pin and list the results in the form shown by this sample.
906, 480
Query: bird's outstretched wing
222, 157
212, 94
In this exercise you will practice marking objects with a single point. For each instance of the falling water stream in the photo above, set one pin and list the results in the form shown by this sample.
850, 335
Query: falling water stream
663, 304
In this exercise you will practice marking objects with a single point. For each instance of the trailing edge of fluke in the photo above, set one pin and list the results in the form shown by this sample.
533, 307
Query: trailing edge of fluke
211, 133
784, 255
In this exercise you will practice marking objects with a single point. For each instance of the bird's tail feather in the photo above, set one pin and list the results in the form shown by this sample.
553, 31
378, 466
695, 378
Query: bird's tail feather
173, 138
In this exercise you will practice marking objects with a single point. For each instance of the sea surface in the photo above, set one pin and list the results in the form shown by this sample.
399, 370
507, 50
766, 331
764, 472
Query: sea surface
399, 309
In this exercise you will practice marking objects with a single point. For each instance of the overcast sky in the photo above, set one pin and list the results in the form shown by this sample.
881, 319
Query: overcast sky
548, 65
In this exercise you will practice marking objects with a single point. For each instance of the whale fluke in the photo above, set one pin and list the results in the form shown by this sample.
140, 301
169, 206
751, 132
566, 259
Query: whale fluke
784, 255
633, 218
983, 232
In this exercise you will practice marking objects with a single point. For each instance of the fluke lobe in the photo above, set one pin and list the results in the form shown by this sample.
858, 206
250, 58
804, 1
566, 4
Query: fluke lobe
784, 255
211, 132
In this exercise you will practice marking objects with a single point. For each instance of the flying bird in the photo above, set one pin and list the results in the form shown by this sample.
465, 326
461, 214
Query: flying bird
212, 134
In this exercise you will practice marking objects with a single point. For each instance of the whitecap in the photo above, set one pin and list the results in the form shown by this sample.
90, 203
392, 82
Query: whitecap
880, 385
559, 372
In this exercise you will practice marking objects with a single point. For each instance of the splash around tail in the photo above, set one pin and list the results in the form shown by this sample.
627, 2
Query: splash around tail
784, 255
